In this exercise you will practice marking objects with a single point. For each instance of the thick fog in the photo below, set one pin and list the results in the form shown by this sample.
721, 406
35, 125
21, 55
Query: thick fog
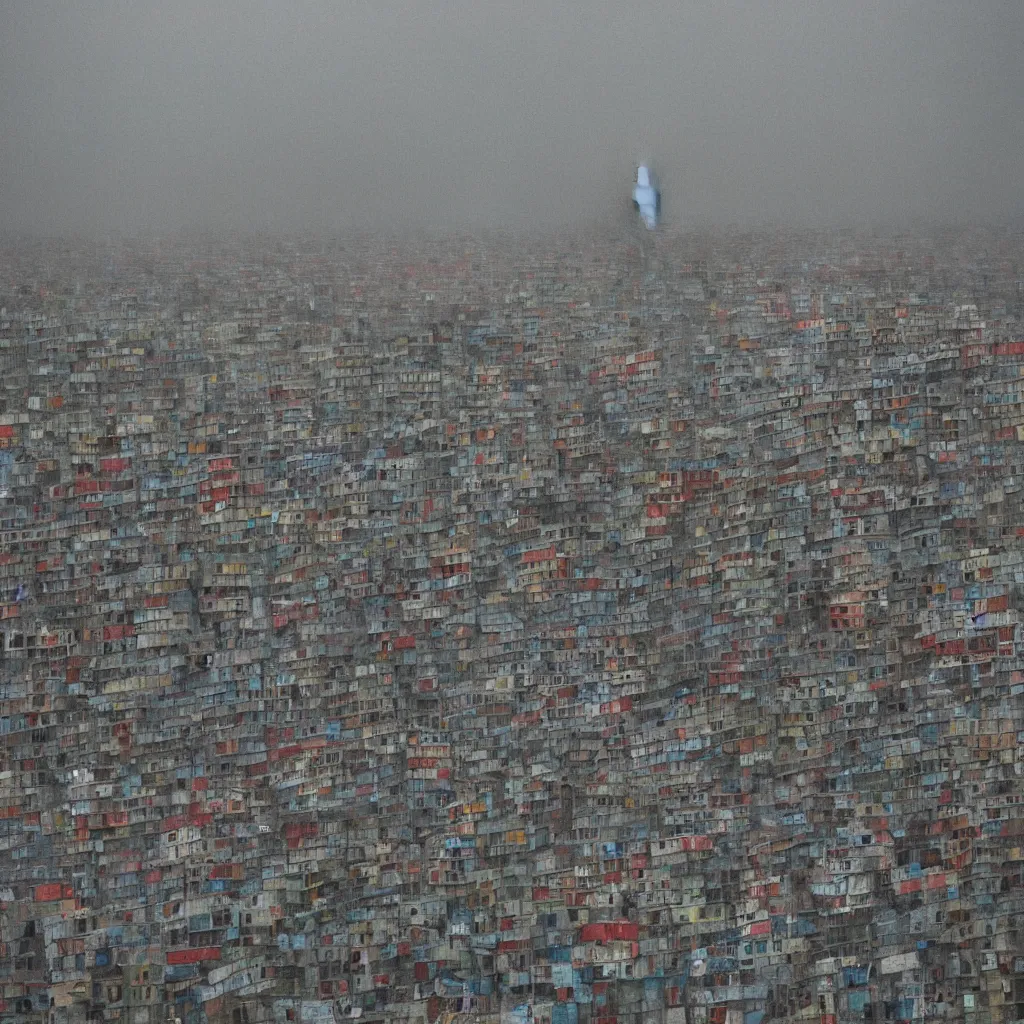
445, 115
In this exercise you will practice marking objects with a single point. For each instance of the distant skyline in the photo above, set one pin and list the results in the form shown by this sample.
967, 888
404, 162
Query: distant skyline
455, 116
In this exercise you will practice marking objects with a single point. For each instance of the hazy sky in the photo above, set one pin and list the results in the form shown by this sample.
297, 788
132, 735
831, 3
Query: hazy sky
338, 113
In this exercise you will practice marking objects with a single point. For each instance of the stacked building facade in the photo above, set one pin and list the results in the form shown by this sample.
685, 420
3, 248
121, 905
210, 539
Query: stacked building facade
393, 632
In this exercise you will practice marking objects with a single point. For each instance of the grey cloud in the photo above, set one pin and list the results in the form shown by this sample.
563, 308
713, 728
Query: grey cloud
457, 114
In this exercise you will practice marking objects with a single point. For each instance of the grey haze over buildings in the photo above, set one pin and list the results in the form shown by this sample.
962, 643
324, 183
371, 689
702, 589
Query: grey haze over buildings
450, 115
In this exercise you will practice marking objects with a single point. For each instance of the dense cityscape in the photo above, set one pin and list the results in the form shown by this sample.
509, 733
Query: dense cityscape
586, 630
